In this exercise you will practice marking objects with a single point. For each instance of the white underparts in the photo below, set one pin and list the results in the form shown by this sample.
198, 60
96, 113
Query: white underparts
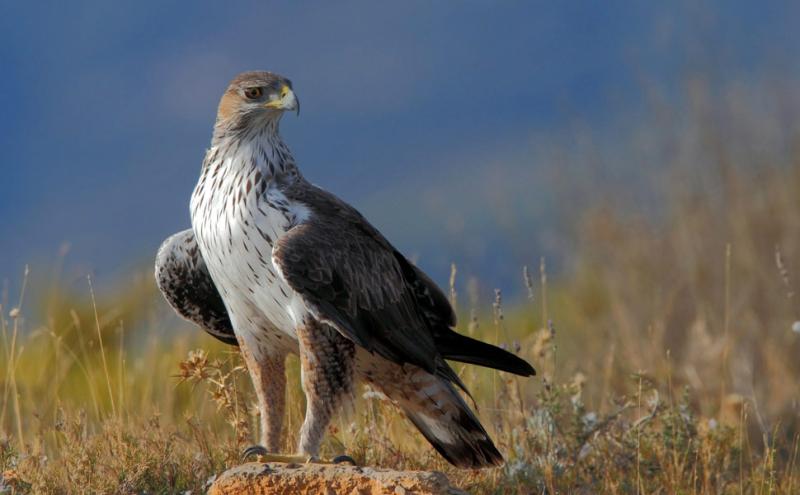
238, 214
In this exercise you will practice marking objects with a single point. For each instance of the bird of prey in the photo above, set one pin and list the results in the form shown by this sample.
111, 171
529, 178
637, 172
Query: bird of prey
278, 265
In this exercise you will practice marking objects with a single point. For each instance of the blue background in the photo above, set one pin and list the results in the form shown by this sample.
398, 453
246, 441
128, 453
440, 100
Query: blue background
430, 117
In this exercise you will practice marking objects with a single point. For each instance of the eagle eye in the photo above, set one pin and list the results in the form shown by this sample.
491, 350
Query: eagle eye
253, 93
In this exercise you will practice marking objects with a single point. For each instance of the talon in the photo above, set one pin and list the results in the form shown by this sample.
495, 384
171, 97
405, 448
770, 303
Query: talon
342, 459
253, 450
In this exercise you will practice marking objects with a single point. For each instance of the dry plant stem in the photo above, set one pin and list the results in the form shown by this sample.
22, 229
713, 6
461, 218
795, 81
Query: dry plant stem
121, 368
102, 349
6, 353
7, 349
85, 373
638, 439
76, 321
12, 357
742, 417
15, 392
453, 296
543, 282
452, 284
496, 315
790, 467
784, 273
526, 278
760, 419
726, 325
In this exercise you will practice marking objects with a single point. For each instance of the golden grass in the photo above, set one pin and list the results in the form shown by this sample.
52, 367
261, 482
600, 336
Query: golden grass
665, 350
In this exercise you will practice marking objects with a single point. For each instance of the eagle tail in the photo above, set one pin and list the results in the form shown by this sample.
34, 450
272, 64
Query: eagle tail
445, 420
456, 347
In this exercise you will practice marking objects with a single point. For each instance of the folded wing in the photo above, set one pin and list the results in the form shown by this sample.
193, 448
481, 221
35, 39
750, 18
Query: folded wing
351, 277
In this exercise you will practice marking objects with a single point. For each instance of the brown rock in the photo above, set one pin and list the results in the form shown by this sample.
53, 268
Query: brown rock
324, 479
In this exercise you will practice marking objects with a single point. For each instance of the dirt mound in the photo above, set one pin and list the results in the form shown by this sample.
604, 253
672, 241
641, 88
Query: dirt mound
319, 479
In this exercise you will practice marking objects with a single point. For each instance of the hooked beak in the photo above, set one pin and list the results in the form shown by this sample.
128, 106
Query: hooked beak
287, 101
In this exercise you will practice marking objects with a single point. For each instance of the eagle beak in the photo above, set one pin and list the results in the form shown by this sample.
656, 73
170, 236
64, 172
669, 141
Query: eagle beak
287, 101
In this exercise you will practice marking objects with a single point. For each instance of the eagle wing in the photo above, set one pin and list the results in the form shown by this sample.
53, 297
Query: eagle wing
351, 277
184, 280
348, 280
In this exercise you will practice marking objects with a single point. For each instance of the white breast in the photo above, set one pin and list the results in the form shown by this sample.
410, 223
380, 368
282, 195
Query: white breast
237, 219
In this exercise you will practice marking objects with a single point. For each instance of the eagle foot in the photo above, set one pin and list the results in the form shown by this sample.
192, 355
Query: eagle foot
263, 455
253, 450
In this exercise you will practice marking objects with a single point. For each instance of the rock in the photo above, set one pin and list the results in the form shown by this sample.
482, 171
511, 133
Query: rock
338, 479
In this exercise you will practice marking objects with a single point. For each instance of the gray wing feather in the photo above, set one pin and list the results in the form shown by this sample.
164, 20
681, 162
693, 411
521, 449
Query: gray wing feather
186, 284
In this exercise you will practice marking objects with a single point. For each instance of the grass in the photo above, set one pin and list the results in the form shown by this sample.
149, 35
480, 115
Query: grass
666, 357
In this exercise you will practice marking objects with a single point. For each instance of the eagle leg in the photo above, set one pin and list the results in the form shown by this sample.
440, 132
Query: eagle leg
327, 360
268, 373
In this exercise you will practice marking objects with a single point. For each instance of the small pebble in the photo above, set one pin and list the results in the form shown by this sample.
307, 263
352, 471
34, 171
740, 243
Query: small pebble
796, 327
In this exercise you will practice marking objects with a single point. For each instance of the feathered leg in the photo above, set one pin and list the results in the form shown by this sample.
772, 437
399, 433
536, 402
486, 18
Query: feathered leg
327, 361
269, 380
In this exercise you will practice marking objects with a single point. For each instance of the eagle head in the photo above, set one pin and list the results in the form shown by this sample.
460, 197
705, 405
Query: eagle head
254, 96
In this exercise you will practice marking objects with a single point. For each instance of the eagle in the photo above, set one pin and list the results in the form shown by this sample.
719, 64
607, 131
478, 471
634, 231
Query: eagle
277, 265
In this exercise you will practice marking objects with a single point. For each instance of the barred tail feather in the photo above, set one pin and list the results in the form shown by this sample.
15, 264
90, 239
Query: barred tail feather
445, 420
